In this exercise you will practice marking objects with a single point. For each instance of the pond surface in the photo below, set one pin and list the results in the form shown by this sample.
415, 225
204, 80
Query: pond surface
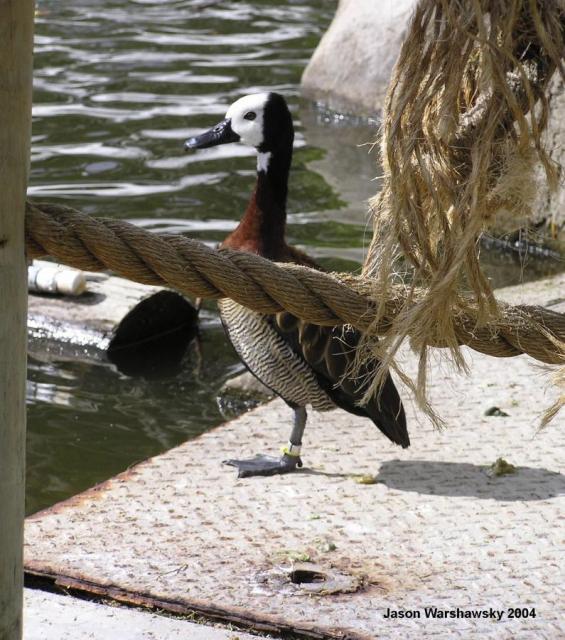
118, 87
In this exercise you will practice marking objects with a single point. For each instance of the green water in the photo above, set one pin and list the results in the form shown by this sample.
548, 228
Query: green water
118, 87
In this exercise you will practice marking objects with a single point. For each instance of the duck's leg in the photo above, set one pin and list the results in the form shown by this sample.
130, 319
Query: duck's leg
262, 465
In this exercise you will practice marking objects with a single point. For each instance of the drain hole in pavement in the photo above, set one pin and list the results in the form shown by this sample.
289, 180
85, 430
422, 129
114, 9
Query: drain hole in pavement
304, 576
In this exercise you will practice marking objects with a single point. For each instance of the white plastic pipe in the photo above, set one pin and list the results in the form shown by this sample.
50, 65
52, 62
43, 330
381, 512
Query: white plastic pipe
47, 277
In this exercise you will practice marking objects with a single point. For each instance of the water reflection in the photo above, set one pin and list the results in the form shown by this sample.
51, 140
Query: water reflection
89, 422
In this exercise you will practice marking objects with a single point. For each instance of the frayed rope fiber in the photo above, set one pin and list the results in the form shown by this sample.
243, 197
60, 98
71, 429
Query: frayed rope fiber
461, 147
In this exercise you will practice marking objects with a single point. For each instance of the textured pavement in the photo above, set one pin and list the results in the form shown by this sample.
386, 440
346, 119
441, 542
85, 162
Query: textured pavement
434, 530
56, 617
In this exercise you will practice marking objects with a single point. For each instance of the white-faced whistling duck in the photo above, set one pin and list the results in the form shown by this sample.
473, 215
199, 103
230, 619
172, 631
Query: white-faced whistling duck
305, 364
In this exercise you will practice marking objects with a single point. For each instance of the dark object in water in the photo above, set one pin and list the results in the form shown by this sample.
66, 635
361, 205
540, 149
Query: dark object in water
142, 330
153, 337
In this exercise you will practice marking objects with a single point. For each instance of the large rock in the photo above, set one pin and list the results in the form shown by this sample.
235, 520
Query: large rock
550, 205
351, 67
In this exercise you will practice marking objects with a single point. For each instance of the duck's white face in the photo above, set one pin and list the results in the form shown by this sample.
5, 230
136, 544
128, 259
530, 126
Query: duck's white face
260, 120
247, 117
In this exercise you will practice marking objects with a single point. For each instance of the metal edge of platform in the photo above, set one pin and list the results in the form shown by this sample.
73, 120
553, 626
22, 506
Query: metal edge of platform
232, 615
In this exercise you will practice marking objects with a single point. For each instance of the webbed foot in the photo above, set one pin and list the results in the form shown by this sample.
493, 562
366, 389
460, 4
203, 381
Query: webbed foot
262, 465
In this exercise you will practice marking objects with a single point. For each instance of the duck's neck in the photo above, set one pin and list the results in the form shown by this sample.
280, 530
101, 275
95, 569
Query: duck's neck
262, 228
272, 182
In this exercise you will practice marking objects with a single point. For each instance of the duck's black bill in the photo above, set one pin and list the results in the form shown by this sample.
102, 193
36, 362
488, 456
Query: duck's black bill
222, 133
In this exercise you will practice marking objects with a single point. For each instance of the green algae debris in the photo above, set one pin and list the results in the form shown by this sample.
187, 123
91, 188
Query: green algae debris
367, 478
496, 411
501, 468
296, 556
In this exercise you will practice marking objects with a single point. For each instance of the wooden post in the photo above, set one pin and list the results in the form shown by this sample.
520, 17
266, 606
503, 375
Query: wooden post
16, 49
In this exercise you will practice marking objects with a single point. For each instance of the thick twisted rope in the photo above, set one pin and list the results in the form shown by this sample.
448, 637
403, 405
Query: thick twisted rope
192, 268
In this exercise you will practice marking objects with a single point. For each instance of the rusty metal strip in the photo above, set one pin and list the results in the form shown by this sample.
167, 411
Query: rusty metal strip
243, 619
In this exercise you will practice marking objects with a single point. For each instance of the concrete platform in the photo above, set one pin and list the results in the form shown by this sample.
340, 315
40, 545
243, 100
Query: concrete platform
319, 553
56, 617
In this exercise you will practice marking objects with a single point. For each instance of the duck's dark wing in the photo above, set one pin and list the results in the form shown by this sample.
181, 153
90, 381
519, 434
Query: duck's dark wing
270, 358
330, 352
